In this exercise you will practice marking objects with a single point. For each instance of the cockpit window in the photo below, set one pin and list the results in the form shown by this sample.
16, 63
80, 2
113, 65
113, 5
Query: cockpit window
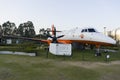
91, 30
83, 30
88, 30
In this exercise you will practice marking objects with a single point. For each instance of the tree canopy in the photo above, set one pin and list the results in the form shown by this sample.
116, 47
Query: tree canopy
26, 29
8, 28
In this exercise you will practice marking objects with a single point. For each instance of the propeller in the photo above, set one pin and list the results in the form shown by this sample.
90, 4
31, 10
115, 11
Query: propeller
53, 30
53, 36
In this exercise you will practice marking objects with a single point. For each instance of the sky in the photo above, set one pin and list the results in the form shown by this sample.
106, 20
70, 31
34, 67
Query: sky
64, 14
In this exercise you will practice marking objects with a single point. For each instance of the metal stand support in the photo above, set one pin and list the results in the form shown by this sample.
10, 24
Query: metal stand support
97, 53
47, 49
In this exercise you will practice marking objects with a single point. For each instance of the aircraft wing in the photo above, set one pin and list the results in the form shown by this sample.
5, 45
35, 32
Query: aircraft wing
25, 38
33, 39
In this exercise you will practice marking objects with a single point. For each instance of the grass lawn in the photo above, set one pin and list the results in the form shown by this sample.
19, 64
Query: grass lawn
14, 67
83, 65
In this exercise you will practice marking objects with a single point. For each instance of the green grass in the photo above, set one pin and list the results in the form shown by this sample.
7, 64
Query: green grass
77, 55
14, 67
84, 55
83, 65
36, 68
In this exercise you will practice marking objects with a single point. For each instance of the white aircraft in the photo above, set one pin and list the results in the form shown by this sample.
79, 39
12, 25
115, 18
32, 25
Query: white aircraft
81, 35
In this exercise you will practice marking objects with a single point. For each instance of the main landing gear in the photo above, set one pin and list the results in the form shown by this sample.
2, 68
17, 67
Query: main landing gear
97, 51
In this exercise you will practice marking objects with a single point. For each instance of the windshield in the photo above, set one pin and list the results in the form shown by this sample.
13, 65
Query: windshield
89, 30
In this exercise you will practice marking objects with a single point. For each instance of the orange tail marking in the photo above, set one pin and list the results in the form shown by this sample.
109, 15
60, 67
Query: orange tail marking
53, 29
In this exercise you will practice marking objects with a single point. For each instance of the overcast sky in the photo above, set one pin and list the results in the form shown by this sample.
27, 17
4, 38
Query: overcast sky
64, 14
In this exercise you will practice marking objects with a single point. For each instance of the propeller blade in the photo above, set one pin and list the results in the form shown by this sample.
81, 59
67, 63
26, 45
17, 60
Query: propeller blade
49, 36
60, 36
53, 30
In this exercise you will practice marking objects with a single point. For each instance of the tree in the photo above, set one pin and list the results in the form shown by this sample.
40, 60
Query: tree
21, 30
1, 31
26, 29
15, 32
8, 28
44, 33
31, 28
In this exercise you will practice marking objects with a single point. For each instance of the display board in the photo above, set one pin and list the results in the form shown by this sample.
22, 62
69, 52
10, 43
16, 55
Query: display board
60, 49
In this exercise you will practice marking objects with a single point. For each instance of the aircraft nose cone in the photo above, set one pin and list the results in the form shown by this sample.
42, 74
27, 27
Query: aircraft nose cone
105, 39
112, 41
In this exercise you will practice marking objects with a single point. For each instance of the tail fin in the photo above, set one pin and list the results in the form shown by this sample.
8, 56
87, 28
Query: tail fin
53, 30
